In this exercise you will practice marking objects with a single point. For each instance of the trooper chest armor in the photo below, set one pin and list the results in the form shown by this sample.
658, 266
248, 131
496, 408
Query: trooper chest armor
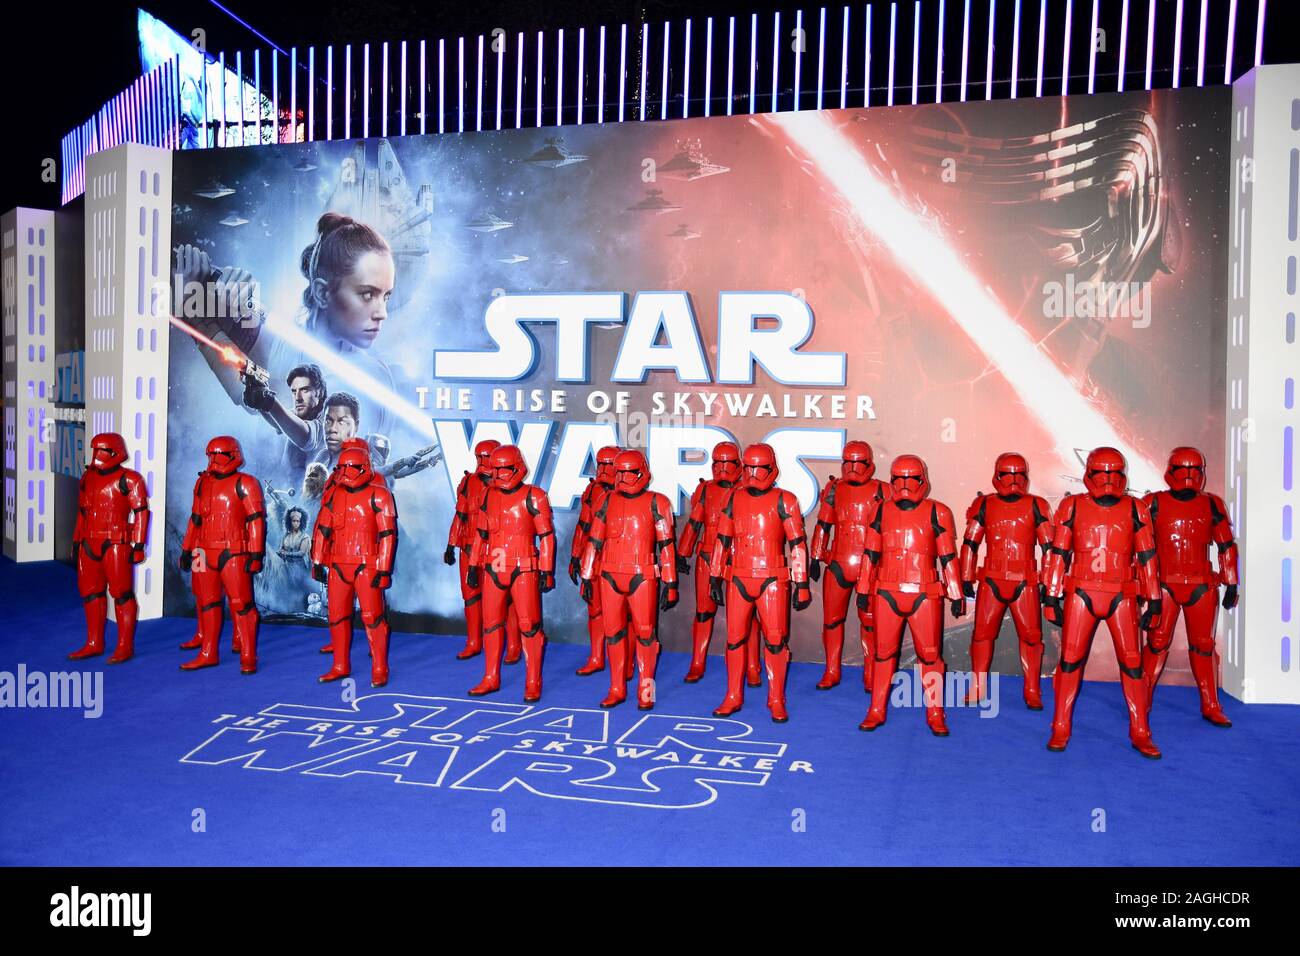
908, 546
1187, 524
852, 505
355, 531
635, 528
715, 497
1011, 525
220, 519
760, 522
511, 529
106, 504
1103, 540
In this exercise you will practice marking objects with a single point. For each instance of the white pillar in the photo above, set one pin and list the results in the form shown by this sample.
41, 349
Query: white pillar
128, 266
27, 241
1261, 651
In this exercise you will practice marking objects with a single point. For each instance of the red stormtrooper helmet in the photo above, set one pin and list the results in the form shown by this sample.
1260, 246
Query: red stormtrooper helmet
909, 479
354, 469
483, 455
1104, 474
631, 473
726, 462
605, 464
508, 468
859, 463
225, 457
1186, 471
1011, 474
107, 451
760, 467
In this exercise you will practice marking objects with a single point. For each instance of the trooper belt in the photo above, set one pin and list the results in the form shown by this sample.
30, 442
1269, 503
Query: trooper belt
1009, 569
1127, 588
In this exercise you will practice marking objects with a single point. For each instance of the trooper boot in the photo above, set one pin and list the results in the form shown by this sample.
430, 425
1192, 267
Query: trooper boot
1066, 685
534, 648
96, 606
868, 651
1134, 686
127, 612
932, 689
833, 644
473, 629
246, 623
1031, 666
514, 643
194, 643
493, 644
778, 665
882, 673
617, 654
377, 635
701, 635
647, 659
754, 657
1153, 665
209, 654
736, 667
596, 636
981, 659
1208, 685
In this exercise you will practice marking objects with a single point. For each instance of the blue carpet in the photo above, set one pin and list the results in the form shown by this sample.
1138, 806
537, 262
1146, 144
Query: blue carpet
162, 777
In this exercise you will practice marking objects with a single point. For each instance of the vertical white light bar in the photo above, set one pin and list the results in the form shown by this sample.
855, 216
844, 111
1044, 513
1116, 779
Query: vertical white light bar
1092, 50
347, 92
600, 90
916, 52
365, 90
799, 43
311, 95
776, 57
866, 68
329, 96
1151, 39
622, 69
731, 60
1123, 44
844, 60
401, 97
1178, 42
1259, 33
442, 85
1015, 50
821, 55
663, 98
478, 97
383, 96
708, 64
965, 48
519, 82
501, 74
686, 77
753, 59
893, 22
1042, 41
1065, 52
293, 94
275, 95
257, 94
541, 54
1200, 46
239, 72
582, 77
559, 79
645, 63
988, 56
424, 83
460, 84
1232, 34
938, 58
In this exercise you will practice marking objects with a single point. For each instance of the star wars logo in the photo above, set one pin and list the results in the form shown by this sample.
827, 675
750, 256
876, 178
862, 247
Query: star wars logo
667, 761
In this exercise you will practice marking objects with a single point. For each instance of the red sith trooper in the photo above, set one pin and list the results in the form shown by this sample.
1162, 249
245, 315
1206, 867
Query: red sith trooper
698, 537
353, 549
1187, 521
838, 541
592, 497
628, 553
757, 523
909, 565
513, 558
1101, 564
223, 547
108, 540
469, 498
1010, 523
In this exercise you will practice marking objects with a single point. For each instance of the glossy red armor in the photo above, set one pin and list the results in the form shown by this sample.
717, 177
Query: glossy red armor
909, 565
698, 537
513, 556
629, 552
838, 541
223, 547
758, 524
1101, 563
469, 498
108, 539
592, 498
1188, 521
1010, 523
354, 547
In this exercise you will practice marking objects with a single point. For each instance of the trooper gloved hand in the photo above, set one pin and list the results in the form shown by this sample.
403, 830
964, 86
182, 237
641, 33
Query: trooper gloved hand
585, 590
815, 569
959, 607
473, 576
1151, 615
1230, 596
683, 564
320, 573
187, 560
1054, 609
548, 581
137, 553
669, 600
383, 580
968, 589
258, 396
575, 569
449, 556
802, 595
255, 562
716, 590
